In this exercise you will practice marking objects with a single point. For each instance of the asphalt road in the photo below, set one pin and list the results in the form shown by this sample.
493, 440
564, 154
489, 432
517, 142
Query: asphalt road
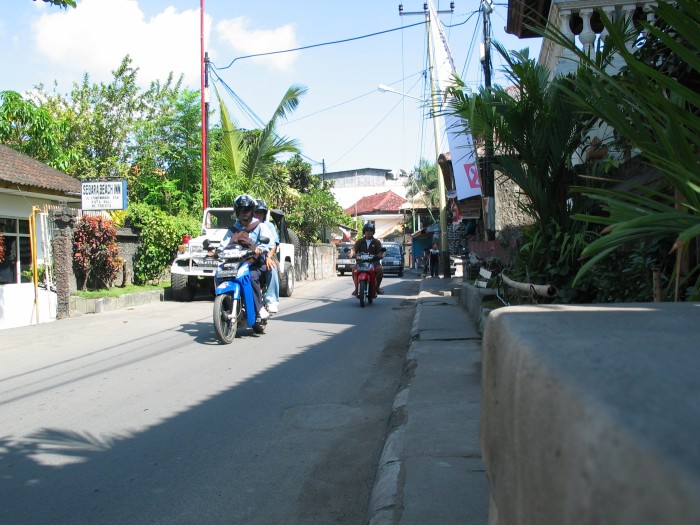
140, 417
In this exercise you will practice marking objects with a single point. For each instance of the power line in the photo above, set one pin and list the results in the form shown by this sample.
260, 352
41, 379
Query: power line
371, 130
318, 45
255, 119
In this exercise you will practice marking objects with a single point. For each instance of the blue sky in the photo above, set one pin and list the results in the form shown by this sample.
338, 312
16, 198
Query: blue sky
343, 120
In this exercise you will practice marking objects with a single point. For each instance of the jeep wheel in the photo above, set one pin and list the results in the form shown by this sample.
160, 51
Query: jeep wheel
287, 280
181, 287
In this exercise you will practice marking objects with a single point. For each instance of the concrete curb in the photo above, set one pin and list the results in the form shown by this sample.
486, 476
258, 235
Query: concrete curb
385, 499
81, 306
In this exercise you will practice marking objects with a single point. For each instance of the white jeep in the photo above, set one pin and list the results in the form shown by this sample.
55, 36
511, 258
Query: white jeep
191, 268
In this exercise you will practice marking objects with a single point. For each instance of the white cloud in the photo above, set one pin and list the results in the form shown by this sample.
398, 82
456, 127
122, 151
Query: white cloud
94, 38
246, 41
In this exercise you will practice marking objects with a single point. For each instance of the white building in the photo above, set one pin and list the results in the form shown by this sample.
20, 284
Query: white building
352, 185
27, 185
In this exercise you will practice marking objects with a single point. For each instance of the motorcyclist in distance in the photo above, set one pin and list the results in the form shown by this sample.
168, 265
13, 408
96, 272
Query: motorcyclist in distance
368, 244
249, 233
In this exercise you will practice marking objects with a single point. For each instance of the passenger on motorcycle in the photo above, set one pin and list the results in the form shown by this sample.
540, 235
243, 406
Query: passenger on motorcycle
272, 278
247, 231
368, 244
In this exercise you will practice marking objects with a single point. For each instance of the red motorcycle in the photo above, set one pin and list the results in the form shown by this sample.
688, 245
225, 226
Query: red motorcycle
366, 277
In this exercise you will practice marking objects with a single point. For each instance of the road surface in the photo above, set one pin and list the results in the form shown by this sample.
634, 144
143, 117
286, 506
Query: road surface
139, 416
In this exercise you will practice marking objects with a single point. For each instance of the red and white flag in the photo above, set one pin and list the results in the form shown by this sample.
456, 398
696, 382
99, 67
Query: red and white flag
459, 137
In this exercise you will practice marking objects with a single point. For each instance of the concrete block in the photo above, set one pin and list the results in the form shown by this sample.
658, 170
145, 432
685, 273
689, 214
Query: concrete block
590, 414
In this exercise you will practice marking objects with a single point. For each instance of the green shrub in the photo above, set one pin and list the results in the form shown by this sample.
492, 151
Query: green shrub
625, 276
40, 273
159, 235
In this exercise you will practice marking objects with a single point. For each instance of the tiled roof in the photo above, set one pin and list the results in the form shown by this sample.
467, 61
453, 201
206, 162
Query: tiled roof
17, 170
387, 201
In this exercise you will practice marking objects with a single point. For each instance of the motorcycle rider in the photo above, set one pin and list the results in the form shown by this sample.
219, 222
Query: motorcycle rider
368, 244
272, 296
248, 231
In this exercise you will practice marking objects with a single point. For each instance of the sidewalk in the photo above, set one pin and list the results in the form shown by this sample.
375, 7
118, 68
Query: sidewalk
431, 470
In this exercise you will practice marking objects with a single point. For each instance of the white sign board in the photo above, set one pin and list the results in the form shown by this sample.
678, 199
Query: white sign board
106, 195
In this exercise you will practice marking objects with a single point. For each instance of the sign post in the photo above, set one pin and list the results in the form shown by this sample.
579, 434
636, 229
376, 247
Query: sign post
104, 195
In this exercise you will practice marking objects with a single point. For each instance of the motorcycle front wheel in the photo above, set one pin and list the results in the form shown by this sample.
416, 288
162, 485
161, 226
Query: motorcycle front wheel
362, 292
225, 318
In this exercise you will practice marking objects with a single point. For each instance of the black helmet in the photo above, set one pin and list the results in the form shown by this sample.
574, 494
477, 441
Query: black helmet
243, 201
368, 227
261, 205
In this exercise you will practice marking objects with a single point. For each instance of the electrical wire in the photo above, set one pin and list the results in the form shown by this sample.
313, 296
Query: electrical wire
317, 45
368, 133
472, 46
247, 111
251, 114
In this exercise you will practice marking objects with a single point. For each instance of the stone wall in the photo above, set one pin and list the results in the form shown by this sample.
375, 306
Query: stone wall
64, 221
315, 262
128, 243
508, 213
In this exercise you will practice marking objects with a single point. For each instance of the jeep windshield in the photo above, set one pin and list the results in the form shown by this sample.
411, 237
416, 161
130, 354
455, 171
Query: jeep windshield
218, 219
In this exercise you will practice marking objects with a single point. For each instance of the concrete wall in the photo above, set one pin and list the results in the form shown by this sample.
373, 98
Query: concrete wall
127, 242
316, 261
508, 212
21, 306
590, 414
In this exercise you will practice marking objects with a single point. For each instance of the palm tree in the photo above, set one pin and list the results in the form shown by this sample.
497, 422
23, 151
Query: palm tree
659, 117
536, 130
250, 156
423, 184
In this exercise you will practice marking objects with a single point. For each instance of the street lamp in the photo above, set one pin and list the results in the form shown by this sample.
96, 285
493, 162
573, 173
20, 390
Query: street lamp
444, 248
388, 89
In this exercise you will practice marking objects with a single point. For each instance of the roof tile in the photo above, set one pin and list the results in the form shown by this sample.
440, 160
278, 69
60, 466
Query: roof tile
19, 169
387, 201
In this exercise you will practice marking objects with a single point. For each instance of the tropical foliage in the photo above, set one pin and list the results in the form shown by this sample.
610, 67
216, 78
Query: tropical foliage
249, 158
536, 131
165, 169
95, 255
659, 117
32, 129
152, 138
61, 3
160, 234
422, 187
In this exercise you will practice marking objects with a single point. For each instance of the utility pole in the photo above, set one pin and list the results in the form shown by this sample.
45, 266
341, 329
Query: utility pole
444, 244
204, 64
206, 130
487, 9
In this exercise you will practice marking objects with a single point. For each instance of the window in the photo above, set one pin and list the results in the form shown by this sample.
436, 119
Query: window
18, 254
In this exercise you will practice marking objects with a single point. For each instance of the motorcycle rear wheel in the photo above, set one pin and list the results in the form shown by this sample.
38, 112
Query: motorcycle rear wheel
362, 292
225, 318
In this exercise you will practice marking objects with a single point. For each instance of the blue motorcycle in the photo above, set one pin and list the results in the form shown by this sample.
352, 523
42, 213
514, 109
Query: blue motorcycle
234, 306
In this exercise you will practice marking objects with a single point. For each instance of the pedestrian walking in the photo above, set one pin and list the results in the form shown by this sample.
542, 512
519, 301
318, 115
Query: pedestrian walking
434, 260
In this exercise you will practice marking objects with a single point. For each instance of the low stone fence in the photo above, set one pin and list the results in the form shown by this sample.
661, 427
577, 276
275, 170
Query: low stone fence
316, 261
590, 414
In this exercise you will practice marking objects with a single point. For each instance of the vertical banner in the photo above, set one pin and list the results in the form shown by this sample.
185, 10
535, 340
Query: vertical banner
459, 137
